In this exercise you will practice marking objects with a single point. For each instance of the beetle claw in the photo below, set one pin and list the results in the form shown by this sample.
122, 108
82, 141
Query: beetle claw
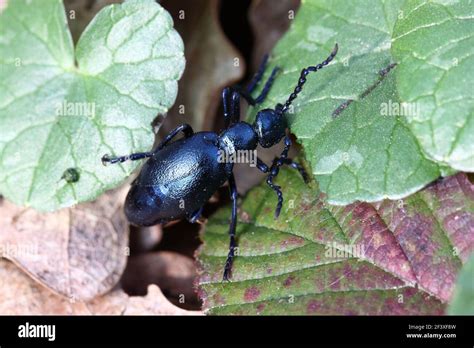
226, 276
105, 159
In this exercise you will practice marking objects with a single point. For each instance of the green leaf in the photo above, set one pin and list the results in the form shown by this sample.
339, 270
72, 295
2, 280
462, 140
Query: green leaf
61, 110
351, 117
391, 257
434, 45
463, 299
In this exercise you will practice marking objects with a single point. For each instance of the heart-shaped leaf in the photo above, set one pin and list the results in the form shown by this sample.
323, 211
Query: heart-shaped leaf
358, 119
62, 109
433, 41
391, 257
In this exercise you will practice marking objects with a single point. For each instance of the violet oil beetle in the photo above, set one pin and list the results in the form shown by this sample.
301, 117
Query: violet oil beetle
180, 176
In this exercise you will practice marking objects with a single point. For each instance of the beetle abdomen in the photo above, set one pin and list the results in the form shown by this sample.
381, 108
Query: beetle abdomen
176, 181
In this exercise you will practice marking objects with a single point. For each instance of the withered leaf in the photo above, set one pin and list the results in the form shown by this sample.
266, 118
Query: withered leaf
269, 20
214, 62
172, 272
77, 252
20, 295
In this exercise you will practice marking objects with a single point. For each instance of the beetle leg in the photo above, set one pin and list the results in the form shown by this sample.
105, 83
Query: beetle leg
231, 95
132, 157
233, 224
225, 104
247, 92
267, 86
274, 170
262, 166
253, 101
235, 105
288, 161
298, 167
185, 128
231, 106
195, 216
258, 75
277, 190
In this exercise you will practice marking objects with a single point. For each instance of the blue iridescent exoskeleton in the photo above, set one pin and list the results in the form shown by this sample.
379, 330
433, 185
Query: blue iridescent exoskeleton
180, 176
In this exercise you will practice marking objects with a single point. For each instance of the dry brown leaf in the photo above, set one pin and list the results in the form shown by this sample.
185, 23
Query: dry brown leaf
144, 239
80, 12
77, 252
269, 20
20, 295
210, 61
154, 303
172, 272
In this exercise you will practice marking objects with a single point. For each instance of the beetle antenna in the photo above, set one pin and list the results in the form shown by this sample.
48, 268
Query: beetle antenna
302, 79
